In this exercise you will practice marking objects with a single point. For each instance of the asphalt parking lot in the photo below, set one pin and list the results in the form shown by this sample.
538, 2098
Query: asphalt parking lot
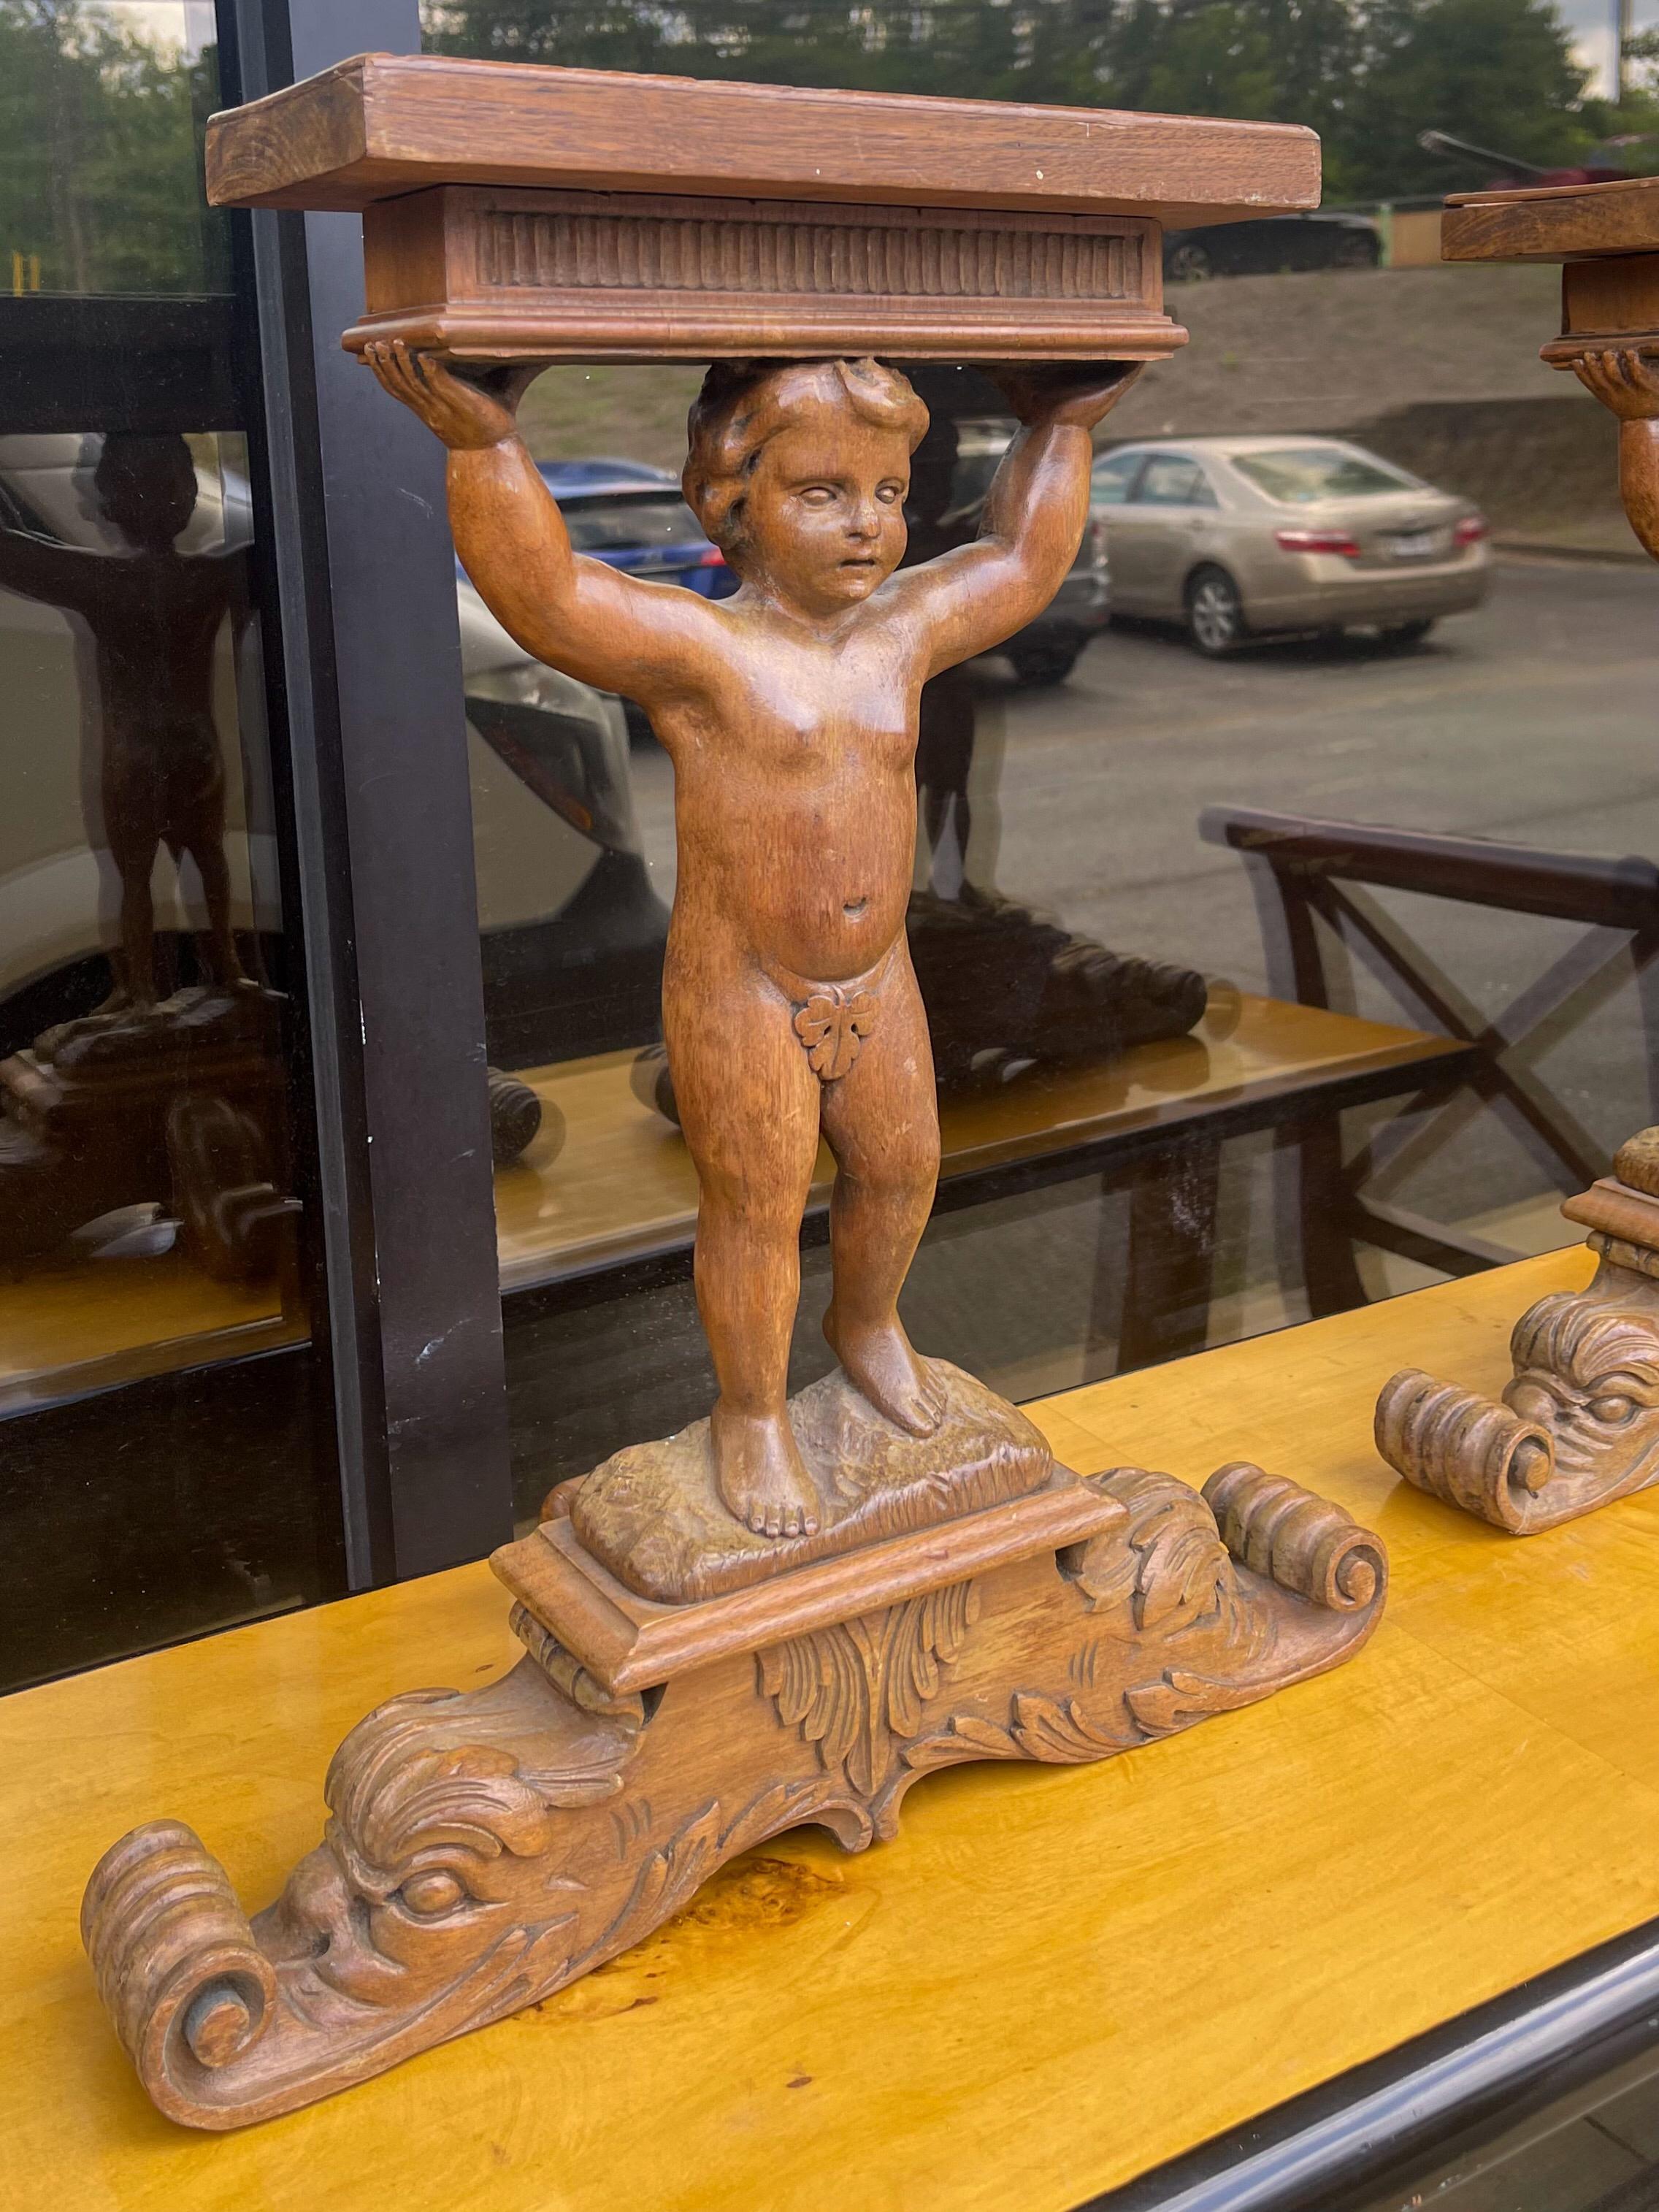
1535, 720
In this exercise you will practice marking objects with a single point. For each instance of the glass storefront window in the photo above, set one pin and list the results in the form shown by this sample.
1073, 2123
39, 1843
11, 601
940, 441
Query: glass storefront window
1210, 1059
164, 1468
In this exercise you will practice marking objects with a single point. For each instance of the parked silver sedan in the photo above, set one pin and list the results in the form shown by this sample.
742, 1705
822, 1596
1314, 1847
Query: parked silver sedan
1240, 537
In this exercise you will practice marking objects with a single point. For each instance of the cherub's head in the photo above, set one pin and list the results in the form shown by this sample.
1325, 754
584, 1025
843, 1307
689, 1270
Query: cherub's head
798, 469
145, 486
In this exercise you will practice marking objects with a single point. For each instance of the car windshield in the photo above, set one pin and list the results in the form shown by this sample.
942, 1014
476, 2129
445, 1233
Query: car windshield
1296, 474
627, 524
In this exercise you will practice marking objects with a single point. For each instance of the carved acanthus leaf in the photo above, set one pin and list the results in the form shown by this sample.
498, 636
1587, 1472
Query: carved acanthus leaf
859, 1689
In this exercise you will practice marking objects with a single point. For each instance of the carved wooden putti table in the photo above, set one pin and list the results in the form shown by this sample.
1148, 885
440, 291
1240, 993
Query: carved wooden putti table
793, 1610
1607, 239
1579, 1424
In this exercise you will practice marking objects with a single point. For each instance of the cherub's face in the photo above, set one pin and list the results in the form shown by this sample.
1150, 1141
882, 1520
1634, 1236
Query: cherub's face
823, 511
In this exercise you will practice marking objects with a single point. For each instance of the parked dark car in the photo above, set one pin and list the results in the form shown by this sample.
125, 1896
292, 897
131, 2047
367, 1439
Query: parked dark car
1271, 244
1046, 650
631, 516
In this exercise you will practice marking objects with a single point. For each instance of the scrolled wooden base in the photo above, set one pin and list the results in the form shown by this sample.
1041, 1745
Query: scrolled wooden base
1578, 1424
485, 1847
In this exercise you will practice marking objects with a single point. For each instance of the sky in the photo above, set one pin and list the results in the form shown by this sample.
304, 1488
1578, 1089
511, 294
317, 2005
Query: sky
190, 23
1591, 24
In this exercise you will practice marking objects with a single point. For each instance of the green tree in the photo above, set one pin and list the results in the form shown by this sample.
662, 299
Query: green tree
1499, 73
100, 154
1368, 75
985, 49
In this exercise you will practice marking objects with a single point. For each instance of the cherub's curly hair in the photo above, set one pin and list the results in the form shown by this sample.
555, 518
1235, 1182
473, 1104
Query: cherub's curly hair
744, 404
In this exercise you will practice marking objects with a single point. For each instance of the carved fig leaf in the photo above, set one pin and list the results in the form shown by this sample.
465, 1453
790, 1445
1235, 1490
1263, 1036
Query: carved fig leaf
832, 1028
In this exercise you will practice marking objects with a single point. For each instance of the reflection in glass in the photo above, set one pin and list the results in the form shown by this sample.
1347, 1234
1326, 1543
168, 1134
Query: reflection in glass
159, 1480
157, 1111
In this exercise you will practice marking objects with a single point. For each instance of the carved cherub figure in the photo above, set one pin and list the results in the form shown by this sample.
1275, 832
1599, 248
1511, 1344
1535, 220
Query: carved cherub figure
790, 715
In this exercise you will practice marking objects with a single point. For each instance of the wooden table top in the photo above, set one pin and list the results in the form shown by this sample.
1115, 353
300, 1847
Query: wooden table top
624, 1185
381, 125
1552, 222
1054, 1976
85, 1324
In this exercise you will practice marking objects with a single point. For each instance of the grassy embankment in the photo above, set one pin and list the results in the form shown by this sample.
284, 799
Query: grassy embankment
1438, 368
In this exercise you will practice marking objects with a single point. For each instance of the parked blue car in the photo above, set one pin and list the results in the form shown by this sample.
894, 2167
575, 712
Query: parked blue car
631, 516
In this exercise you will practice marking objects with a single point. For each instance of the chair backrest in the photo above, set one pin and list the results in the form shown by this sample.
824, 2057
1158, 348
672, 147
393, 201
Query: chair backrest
1304, 870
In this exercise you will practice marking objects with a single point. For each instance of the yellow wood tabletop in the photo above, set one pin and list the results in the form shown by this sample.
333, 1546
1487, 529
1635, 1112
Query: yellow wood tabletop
78, 1324
1053, 1978
624, 1182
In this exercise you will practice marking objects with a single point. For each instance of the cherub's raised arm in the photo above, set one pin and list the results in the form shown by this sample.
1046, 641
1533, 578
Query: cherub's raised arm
617, 631
41, 569
969, 599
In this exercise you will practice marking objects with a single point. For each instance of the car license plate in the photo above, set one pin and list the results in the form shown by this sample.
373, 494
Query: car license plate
1414, 544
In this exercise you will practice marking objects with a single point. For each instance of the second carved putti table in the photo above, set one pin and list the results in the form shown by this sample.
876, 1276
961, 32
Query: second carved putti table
1578, 1424
1607, 239
793, 1610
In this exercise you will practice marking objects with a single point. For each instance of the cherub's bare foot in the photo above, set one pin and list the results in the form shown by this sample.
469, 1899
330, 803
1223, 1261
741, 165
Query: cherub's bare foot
761, 1475
884, 1367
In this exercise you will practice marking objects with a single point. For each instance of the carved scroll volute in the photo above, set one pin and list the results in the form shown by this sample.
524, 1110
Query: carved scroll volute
1295, 1539
1625, 379
1471, 1451
187, 1986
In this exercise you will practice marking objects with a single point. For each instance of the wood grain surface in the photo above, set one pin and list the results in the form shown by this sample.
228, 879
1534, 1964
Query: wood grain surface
1552, 222
1041, 1988
382, 124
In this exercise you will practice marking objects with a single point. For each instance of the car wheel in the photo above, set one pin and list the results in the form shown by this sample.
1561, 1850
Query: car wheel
1037, 665
1215, 613
1357, 249
1188, 263
1409, 633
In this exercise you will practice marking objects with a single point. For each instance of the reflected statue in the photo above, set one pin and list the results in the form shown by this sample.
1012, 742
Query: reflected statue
174, 1102
1007, 987
155, 613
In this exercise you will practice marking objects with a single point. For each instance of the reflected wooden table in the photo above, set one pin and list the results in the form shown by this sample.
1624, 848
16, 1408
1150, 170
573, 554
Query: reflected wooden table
1044, 1986
622, 1190
1152, 1119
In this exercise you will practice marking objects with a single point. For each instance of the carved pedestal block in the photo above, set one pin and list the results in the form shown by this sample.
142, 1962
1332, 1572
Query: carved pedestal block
1578, 1425
485, 1847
